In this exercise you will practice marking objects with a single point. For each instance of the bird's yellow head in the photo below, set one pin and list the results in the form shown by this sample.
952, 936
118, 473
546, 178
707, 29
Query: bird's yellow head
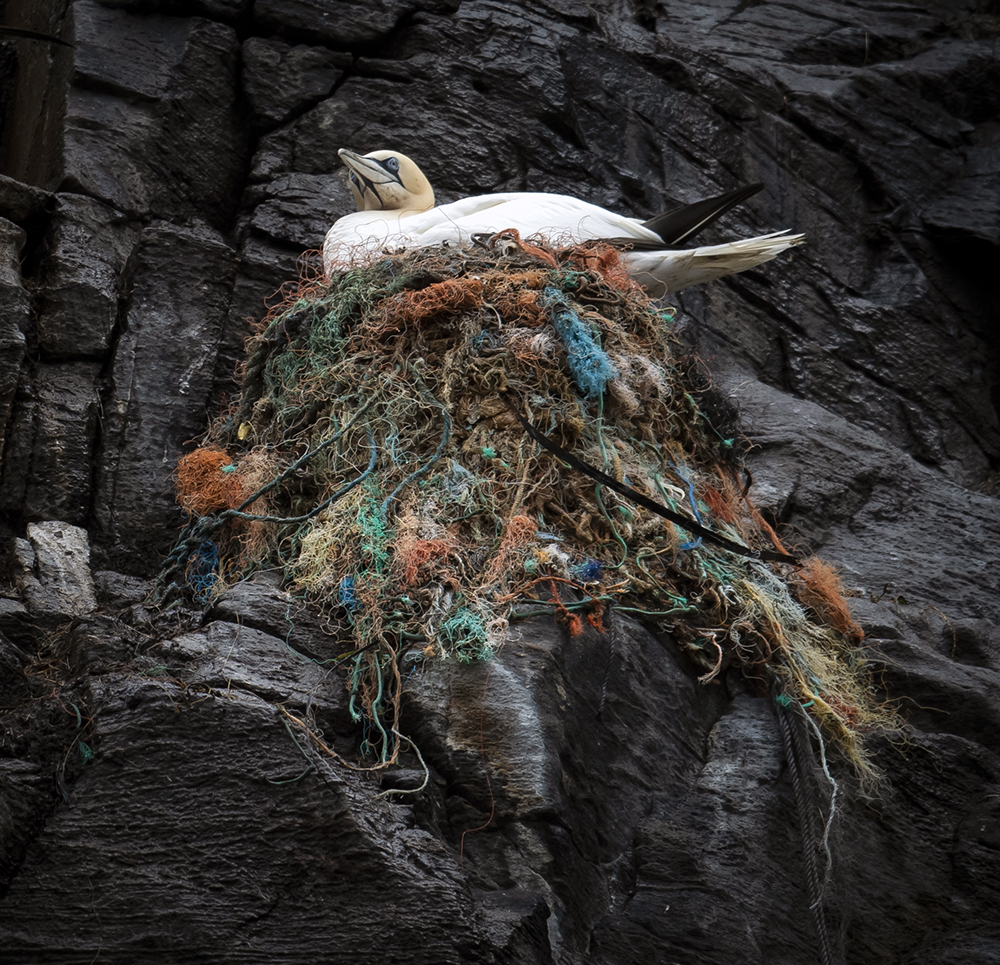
387, 181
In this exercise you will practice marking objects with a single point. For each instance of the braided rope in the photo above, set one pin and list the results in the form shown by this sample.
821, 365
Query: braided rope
810, 846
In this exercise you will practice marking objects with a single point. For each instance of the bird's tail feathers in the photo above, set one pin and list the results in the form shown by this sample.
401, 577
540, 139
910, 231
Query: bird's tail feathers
661, 272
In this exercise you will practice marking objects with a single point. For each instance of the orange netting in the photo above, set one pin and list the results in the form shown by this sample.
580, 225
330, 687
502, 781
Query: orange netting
820, 587
206, 482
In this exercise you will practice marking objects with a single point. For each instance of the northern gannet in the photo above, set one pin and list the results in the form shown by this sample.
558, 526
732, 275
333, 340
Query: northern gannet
396, 210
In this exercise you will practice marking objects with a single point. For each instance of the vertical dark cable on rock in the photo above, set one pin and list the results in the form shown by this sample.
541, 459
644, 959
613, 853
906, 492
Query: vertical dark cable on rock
807, 831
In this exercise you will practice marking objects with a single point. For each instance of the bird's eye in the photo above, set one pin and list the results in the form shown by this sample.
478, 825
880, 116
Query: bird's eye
392, 164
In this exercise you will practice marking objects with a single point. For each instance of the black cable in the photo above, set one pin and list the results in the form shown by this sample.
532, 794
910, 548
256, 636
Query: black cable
693, 527
807, 831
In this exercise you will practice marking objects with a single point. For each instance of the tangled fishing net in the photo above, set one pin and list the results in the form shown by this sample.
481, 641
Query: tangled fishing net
377, 459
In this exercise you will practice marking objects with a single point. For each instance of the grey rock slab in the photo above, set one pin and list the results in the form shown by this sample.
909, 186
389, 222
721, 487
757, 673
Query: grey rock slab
48, 470
152, 125
689, 897
977, 943
882, 516
341, 21
970, 206
119, 589
940, 693
15, 313
298, 209
125, 53
200, 833
230, 657
25, 794
214, 9
54, 570
281, 80
291, 619
249, 303
553, 754
181, 280
270, 267
862, 107
13, 681
100, 643
88, 247
462, 140
933, 828
268, 272
12, 241
20, 202
35, 76
903, 353
15, 622
800, 31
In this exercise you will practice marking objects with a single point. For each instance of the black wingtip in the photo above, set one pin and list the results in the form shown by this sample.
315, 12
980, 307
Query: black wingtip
680, 225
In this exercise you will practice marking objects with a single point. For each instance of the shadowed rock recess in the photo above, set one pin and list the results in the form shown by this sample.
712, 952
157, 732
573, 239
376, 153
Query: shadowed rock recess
588, 800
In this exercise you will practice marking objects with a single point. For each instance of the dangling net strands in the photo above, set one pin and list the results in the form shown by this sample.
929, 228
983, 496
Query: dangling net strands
411, 449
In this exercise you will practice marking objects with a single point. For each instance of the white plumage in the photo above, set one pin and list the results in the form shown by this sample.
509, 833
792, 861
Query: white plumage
396, 210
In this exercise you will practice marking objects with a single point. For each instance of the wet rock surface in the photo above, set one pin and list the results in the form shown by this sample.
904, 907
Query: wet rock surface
88, 249
15, 307
576, 800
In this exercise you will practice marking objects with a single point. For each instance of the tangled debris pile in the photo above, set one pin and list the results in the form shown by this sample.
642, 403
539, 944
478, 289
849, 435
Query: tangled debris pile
378, 457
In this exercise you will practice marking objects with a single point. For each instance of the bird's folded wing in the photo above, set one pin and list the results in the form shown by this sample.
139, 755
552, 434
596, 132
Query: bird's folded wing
558, 218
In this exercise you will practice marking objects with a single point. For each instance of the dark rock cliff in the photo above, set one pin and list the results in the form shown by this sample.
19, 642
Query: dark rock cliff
160, 179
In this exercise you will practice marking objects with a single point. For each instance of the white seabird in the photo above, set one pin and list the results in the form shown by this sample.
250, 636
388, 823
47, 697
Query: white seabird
396, 210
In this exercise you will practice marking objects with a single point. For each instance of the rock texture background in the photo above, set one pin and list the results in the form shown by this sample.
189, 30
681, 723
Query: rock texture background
162, 178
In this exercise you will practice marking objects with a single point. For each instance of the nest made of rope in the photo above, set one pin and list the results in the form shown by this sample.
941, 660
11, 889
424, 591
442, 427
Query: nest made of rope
373, 457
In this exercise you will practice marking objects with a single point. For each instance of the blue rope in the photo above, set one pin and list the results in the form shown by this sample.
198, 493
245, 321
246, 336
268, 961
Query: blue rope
588, 362
589, 571
201, 572
346, 593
